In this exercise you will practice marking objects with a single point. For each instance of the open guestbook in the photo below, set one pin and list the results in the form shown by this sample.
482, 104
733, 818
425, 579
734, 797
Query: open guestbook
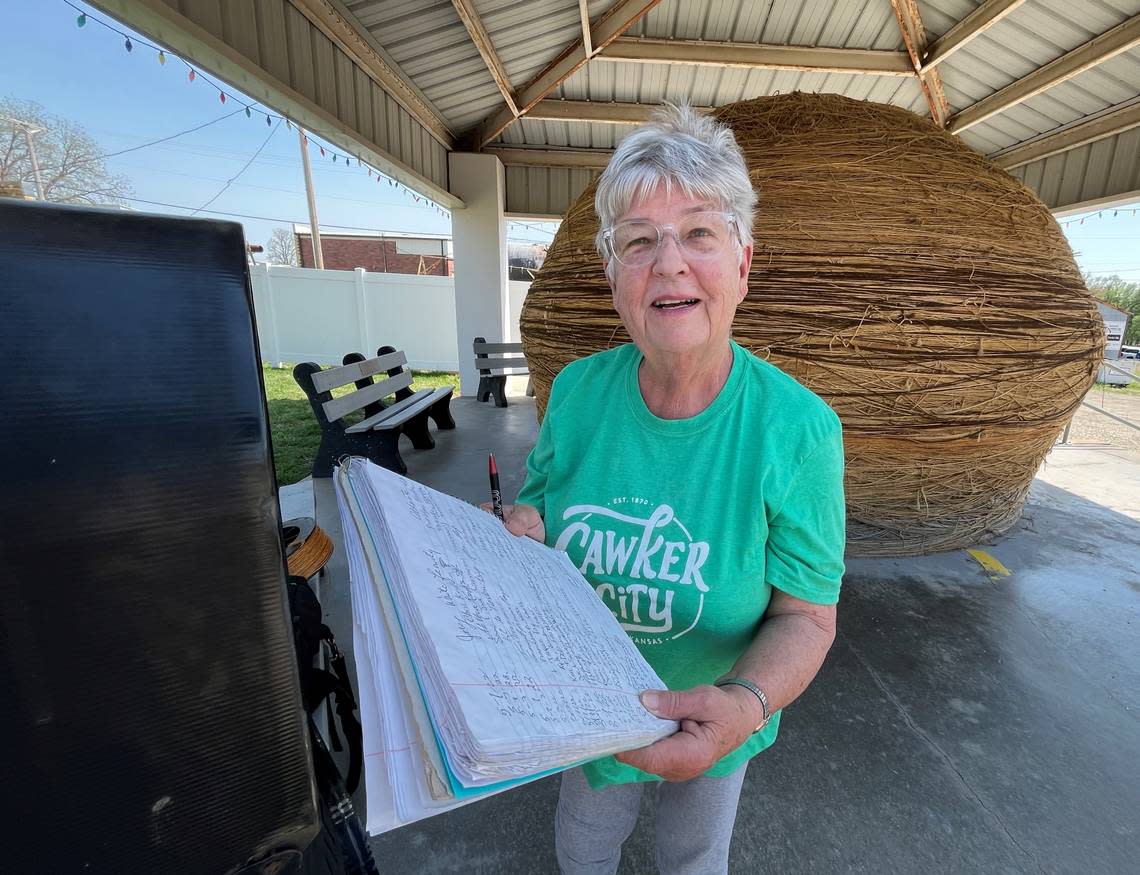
484, 660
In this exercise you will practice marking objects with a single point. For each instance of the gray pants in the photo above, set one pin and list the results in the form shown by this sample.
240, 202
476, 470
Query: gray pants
694, 824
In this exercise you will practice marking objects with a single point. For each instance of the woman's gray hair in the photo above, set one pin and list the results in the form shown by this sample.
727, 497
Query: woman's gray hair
678, 147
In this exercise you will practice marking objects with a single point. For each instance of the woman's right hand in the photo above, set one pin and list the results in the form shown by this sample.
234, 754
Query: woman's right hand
521, 519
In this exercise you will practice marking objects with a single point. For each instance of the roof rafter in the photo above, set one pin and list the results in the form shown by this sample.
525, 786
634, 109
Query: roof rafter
1096, 51
596, 111
587, 40
770, 57
1115, 120
620, 17
914, 38
359, 47
974, 24
474, 24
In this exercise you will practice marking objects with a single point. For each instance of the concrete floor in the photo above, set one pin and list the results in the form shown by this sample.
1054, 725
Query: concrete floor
961, 723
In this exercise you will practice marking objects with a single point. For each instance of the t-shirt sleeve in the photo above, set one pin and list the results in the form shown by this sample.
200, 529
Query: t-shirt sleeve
806, 537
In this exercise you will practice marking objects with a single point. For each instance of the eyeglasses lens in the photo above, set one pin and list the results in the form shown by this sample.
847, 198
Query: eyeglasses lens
700, 235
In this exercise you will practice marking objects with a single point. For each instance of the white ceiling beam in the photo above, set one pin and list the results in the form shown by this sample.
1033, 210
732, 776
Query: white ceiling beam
620, 17
974, 24
592, 159
1096, 51
330, 19
914, 38
482, 40
751, 55
1115, 120
587, 40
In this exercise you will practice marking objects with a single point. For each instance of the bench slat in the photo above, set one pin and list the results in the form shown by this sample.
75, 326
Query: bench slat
520, 371
401, 411
501, 361
338, 407
483, 348
339, 376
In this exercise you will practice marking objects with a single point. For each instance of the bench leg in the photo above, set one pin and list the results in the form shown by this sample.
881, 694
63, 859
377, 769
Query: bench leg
499, 389
441, 413
416, 429
381, 447
384, 450
484, 390
327, 454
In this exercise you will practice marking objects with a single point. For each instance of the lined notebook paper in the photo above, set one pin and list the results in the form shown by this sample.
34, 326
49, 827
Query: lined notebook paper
484, 660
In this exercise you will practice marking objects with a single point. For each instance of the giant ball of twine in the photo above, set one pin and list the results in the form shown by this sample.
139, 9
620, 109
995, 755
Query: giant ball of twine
928, 296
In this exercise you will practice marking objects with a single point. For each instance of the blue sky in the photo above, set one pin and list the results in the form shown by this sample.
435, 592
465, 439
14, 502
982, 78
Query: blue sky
127, 98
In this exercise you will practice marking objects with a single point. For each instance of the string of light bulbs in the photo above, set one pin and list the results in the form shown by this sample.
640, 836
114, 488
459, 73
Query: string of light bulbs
1097, 215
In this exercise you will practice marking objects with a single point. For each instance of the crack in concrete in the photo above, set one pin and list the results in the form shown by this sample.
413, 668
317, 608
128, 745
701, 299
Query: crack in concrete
945, 757
1093, 681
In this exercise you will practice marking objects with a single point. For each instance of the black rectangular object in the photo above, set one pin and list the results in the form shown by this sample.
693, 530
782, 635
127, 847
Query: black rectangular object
152, 719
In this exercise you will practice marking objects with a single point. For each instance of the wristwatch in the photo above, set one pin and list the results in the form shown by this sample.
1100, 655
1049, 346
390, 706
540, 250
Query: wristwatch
752, 688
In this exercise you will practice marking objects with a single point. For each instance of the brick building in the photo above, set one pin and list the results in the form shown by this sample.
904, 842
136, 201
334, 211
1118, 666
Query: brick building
387, 252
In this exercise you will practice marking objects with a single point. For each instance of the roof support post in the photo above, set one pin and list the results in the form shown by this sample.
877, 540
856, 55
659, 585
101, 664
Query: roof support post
479, 240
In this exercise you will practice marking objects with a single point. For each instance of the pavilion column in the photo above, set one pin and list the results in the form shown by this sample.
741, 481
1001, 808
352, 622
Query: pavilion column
479, 240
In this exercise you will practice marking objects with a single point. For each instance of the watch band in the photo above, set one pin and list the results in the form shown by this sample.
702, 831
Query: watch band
752, 688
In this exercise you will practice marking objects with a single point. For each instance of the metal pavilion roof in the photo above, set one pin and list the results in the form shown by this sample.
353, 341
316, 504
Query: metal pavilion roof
1049, 88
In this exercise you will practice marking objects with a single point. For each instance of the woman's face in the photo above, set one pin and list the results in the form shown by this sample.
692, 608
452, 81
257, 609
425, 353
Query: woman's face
677, 304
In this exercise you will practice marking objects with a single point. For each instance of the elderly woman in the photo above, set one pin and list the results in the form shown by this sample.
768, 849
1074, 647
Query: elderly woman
698, 488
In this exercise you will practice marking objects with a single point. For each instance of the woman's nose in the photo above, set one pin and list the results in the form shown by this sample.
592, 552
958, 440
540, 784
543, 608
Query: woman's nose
670, 257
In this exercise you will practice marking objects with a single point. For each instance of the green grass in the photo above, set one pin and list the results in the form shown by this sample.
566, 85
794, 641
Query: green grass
1131, 389
293, 427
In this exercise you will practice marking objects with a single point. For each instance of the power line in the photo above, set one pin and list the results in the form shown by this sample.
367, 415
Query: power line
245, 167
248, 108
273, 218
172, 136
262, 218
153, 142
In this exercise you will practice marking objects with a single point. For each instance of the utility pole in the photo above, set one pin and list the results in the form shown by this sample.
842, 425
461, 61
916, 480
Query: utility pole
318, 255
28, 131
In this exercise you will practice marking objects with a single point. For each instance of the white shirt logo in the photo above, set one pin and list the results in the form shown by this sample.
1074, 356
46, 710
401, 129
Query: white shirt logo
641, 550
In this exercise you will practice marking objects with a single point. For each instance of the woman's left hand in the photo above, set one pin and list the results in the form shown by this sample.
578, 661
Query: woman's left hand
714, 721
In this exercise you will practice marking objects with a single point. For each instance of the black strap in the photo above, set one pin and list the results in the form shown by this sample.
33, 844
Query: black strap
345, 709
319, 686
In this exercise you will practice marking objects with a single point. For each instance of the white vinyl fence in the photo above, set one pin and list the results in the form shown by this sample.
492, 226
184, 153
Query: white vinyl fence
306, 315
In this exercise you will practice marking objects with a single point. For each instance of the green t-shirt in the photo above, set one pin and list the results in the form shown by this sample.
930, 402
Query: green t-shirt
684, 525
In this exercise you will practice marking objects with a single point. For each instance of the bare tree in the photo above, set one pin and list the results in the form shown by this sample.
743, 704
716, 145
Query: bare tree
72, 165
282, 248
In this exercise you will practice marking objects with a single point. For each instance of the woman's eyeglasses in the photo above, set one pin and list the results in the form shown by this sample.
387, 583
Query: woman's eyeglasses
703, 235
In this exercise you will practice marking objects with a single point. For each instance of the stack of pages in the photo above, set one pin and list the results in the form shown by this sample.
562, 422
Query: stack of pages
484, 660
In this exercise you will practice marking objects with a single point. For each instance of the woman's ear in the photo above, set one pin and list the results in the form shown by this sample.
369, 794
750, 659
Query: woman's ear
608, 267
745, 268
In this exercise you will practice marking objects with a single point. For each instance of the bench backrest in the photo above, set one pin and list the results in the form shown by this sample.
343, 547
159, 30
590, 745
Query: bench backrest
326, 381
499, 358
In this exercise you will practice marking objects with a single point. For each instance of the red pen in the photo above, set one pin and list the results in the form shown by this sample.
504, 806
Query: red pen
496, 493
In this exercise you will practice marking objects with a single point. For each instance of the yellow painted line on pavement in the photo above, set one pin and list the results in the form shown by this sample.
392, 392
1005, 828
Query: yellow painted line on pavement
989, 564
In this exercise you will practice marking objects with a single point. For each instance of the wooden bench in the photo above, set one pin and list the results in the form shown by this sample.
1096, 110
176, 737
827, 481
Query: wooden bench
496, 362
377, 435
